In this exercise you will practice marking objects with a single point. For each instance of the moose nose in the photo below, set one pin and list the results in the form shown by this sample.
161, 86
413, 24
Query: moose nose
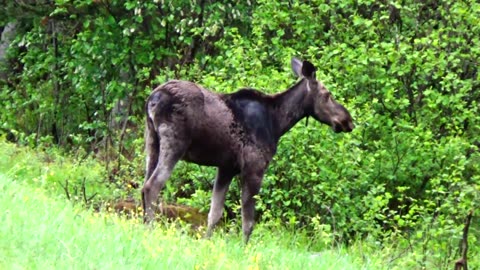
351, 126
337, 127
346, 126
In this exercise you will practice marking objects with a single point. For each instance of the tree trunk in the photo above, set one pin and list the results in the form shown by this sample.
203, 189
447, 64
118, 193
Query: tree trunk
7, 36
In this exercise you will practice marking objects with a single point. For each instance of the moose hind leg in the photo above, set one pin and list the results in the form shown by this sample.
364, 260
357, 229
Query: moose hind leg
170, 153
154, 184
152, 147
220, 188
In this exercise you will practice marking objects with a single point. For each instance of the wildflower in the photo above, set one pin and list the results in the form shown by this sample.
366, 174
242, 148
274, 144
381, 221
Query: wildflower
256, 258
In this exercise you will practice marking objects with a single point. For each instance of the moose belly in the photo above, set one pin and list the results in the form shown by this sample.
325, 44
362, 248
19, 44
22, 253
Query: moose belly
209, 153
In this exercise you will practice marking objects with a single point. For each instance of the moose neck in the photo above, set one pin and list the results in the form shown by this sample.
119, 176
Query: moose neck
291, 106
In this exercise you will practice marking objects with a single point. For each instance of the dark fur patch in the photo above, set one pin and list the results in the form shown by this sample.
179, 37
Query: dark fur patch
248, 93
252, 109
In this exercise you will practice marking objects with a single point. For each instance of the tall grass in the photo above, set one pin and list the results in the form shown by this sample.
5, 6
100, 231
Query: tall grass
54, 171
40, 232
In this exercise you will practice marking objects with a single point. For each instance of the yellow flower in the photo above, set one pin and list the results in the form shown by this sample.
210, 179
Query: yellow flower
256, 258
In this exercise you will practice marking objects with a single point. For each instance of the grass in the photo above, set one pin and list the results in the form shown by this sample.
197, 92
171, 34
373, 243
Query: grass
41, 229
40, 232
53, 171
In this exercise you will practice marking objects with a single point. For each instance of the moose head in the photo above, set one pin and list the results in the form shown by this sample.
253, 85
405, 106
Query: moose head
322, 106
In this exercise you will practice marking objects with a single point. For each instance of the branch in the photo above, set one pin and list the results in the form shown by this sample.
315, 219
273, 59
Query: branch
462, 262
65, 188
84, 191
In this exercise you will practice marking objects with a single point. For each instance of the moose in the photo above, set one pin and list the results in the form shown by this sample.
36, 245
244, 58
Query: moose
238, 133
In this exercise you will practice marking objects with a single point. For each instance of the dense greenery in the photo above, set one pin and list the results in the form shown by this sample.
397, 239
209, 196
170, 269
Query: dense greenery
78, 75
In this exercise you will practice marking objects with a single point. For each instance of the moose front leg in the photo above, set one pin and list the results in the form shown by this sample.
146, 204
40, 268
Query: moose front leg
220, 188
251, 183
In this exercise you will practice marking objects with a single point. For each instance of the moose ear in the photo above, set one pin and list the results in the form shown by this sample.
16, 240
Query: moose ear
308, 70
297, 66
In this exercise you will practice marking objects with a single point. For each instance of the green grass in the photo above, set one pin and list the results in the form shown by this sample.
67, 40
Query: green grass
40, 232
51, 170
41, 229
